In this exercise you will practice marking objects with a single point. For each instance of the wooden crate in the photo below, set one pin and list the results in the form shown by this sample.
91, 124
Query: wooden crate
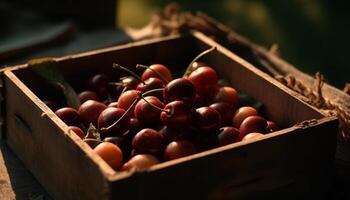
293, 163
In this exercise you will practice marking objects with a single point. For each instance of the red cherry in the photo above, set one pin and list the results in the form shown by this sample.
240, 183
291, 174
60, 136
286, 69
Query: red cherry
126, 99
140, 162
146, 112
252, 124
228, 95
151, 84
110, 153
99, 83
241, 114
87, 95
68, 115
227, 135
177, 114
159, 68
272, 126
90, 110
179, 149
172, 134
226, 111
208, 119
148, 141
179, 89
109, 116
113, 104
205, 81
77, 131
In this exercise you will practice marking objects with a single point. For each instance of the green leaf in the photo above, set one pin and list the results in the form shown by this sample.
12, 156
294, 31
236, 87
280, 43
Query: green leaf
47, 68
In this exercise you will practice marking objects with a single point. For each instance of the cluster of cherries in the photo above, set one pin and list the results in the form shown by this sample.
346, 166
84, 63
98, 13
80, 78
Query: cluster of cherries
156, 118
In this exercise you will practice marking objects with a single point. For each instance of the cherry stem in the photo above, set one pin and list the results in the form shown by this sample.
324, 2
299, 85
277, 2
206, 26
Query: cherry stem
190, 66
121, 117
117, 66
155, 71
115, 83
151, 91
142, 96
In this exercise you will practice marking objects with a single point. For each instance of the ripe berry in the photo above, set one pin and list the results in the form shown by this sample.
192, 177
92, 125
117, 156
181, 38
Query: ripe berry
68, 115
90, 110
110, 153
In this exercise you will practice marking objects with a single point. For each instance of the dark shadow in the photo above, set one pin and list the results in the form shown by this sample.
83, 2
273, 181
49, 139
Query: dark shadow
23, 183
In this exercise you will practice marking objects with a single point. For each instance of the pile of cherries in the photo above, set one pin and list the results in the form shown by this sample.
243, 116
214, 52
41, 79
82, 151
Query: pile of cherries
142, 121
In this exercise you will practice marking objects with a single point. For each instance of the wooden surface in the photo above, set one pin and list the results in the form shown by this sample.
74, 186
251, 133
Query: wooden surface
16, 182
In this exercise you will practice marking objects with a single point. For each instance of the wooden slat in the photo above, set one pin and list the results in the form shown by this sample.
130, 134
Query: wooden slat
60, 161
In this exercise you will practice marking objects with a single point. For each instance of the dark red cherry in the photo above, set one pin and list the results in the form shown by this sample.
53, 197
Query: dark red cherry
109, 116
148, 110
87, 95
179, 89
172, 134
226, 111
177, 114
68, 115
99, 83
207, 119
148, 141
77, 131
123, 143
272, 126
227, 135
129, 82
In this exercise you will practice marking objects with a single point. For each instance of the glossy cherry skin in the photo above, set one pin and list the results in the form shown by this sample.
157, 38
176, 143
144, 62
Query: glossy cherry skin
148, 141
109, 116
99, 83
226, 112
228, 95
207, 119
110, 153
80, 133
68, 115
87, 95
179, 89
140, 162
179, 149
161, 69
227, 135
272, 126
177, 114
252, 124
151, 84
90, 110
126, 99
146, 113
205, 81
251, 136
241, 114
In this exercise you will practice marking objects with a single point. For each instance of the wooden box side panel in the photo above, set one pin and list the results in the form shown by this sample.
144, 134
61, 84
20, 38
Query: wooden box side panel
52, 155
285, 165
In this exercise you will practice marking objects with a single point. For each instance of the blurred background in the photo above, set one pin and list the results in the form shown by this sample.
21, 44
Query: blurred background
312, 35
